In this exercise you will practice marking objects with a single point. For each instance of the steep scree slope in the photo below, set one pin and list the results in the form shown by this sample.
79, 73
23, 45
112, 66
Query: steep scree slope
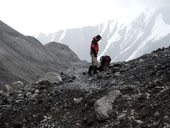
144, 101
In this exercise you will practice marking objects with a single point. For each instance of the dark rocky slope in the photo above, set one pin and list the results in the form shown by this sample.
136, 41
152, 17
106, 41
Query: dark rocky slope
25, 58
62, 52
144, 100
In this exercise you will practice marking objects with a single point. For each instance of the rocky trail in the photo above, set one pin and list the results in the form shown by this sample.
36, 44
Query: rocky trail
133, 94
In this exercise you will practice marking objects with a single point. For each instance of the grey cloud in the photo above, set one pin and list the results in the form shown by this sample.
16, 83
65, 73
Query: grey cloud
123, 3
153, 3
165, 14
162, 5
144, 3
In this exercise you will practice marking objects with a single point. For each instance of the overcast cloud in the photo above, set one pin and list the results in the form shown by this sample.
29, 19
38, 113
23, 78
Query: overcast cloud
33, 16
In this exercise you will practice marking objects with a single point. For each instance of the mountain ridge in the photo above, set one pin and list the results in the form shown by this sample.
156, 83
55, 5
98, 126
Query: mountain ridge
121, 41
25, 58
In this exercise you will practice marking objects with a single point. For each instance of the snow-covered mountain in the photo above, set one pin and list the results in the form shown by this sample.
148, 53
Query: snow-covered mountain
121, 41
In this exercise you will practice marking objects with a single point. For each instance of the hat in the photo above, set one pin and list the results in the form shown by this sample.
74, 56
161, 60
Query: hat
98, 37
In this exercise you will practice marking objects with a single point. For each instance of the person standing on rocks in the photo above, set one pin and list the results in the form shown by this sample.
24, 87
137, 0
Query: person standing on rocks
94, 49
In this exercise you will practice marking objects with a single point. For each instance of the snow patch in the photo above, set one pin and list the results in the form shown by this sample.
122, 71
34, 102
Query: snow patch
160, 30
128, 28
104, 27
112, 25
115, 37
53, 37
62, 36
134, 54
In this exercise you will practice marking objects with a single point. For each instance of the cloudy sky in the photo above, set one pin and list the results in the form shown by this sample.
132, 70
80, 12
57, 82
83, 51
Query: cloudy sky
33, 16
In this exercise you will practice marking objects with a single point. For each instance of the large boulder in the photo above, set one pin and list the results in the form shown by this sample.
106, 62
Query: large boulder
18, 85
103, 106
52, 77
6, 89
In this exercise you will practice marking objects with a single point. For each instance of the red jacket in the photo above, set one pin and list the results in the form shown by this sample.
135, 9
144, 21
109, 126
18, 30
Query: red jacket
94, 46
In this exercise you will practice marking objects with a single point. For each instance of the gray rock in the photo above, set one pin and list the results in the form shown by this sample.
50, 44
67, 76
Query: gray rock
8, 89
51, 77
34, 96
18, 85
3, 94
29, 94
104, 105
77, 100
37, 91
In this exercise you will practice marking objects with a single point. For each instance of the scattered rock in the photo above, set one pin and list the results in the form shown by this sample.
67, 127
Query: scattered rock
77, 100
87, 101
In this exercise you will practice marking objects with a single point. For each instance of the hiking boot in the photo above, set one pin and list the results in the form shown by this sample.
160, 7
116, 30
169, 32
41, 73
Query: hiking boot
90, 70
94, 69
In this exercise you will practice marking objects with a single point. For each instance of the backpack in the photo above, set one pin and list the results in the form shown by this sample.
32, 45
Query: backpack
107, 59
104, 59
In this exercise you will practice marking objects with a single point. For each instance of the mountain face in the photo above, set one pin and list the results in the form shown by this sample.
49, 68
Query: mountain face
25, 58
121, 41
62, 52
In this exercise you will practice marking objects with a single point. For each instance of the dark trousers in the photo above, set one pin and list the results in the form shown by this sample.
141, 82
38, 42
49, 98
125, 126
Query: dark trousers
92, 70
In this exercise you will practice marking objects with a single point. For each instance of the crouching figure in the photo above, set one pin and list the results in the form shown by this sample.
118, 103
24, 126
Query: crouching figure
104, 63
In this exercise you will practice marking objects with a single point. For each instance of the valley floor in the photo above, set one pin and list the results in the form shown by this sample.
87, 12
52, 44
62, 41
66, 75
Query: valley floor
144, 101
